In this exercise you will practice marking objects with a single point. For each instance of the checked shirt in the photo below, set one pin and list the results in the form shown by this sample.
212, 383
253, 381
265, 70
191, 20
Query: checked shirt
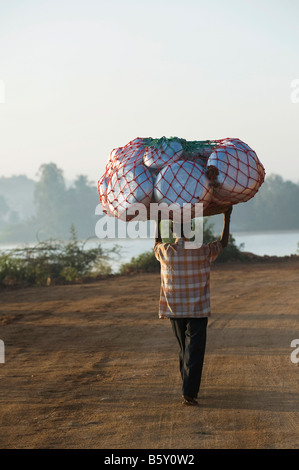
185, 279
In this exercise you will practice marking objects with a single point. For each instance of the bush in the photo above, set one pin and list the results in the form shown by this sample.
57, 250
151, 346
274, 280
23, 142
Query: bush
232, 252
53, 262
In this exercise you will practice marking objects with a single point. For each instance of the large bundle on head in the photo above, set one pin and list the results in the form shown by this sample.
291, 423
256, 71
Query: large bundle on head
215, 173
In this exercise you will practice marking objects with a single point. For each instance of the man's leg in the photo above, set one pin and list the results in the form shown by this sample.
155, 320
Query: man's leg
195, 344
191, 337
179, 328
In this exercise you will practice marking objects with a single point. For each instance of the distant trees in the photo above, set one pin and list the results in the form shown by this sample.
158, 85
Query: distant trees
50, 201
274, 207
82, 198
4, 208
57, 209
18, 192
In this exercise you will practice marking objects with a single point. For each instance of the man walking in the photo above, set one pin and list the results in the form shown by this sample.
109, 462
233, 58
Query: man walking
185, 299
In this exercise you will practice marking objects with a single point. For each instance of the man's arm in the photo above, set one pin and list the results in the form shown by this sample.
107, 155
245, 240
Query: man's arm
225, 233
158, 238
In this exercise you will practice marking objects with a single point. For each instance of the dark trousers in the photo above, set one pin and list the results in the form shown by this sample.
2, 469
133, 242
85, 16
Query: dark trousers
191, 336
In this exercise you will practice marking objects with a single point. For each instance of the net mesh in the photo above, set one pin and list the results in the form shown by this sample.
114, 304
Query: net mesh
217, 173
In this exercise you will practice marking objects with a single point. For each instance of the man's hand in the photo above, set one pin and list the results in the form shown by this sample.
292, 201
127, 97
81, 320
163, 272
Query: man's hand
212, 173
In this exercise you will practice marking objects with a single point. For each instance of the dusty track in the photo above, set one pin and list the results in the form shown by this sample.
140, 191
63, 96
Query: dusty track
92, 366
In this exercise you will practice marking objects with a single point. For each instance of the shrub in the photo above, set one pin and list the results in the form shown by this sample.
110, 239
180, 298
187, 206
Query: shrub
232, 252
53, 261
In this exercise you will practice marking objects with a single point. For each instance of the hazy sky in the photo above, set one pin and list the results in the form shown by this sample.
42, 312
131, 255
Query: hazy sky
84, 76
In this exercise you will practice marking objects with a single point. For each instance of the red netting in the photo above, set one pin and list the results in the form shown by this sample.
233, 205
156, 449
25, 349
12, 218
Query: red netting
217, 173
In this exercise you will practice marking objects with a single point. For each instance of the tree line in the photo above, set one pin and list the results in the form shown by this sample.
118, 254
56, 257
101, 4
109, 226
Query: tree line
57, 208
274, 207
49, 207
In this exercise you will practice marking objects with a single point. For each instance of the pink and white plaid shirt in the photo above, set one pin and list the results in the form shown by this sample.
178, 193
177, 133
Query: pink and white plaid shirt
185, 279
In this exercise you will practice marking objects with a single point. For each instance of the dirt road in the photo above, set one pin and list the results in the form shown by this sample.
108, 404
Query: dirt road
91, 366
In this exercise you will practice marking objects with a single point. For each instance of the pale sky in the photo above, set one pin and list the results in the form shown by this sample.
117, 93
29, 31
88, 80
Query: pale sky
84, 76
